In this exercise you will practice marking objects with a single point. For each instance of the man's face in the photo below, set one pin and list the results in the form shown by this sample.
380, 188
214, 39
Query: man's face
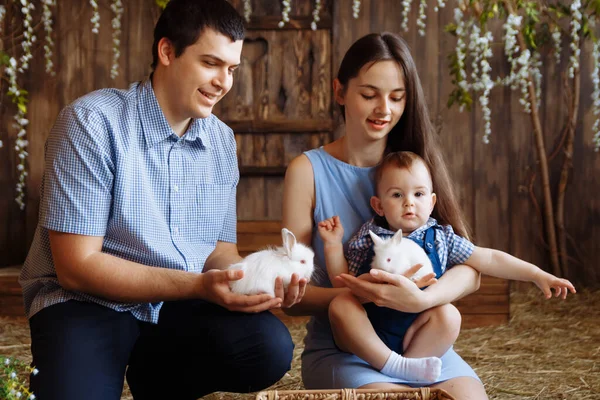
201, 75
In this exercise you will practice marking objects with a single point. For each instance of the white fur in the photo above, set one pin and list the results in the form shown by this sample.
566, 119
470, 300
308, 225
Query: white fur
261, 268
396, 255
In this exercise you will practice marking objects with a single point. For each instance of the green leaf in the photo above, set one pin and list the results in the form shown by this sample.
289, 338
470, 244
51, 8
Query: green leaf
450, 28
162, 3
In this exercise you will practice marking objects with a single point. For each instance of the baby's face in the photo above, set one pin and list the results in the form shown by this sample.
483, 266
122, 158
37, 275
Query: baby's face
405, 196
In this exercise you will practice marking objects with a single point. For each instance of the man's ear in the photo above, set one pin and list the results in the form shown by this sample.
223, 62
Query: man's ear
338, 91
166, 51
433, 200
376, 205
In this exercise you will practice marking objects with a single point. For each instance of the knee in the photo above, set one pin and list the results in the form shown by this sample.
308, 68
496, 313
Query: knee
448, 318
339, 308
274, 356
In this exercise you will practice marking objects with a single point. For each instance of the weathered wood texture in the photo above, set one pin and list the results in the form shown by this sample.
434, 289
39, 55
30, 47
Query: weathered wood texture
281, 105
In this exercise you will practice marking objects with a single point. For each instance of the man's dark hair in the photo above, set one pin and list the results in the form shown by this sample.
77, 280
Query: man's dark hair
183, 21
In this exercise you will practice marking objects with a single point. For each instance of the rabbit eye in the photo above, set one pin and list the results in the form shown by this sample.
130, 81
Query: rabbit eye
389, 259
302, 262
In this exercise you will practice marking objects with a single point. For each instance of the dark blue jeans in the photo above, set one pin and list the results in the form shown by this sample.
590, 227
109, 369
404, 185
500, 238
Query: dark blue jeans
84, 351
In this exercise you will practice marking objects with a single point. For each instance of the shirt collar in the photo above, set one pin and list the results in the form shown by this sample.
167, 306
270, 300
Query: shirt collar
381, 231
155, 125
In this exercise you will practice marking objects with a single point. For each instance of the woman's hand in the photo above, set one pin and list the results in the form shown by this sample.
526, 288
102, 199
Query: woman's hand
295, 290
389, 290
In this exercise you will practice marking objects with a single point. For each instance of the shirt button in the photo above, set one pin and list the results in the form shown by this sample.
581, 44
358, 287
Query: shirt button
176, 188
175, 230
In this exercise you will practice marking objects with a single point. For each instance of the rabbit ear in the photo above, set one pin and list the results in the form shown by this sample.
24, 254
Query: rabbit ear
376, 239
397, 236
289, 240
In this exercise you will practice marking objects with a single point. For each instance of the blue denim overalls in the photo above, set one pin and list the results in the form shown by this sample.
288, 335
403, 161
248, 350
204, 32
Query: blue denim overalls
391, 325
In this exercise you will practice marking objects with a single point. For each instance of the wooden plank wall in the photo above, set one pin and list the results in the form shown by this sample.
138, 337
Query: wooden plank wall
492, 180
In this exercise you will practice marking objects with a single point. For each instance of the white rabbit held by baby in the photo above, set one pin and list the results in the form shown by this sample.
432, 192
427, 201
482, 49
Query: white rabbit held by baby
261, 268
396, 255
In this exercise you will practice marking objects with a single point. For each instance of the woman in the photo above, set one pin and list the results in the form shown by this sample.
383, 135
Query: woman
382, 102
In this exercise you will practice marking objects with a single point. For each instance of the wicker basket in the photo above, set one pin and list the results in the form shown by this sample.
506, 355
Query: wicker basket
356, 394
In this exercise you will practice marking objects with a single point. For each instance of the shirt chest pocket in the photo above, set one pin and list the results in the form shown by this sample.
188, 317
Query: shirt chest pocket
212, 203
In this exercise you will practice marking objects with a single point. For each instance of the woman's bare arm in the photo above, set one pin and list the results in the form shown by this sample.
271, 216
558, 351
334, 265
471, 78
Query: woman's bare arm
298, 208
402, 294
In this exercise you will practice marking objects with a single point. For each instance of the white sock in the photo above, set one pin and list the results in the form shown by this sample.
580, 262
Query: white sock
427, 369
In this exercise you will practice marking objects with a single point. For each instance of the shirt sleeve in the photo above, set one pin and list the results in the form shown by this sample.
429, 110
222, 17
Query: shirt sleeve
459, 248
76, 193
358, 250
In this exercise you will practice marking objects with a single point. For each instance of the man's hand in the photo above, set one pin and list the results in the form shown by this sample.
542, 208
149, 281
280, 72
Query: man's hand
295, 290
215, 286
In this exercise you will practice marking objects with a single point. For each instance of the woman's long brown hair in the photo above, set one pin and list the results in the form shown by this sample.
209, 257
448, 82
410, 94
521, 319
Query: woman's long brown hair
414, 132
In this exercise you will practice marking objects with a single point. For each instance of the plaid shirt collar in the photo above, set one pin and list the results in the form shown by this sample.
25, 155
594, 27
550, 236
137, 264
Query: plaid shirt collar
158, 129
384, 232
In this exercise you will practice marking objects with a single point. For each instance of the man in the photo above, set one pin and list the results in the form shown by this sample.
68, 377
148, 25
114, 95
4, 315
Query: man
126, 275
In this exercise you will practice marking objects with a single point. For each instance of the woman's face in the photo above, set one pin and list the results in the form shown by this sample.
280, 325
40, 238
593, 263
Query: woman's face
374, 100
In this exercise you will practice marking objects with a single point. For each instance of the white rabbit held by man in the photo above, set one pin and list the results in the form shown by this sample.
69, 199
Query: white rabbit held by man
261, 268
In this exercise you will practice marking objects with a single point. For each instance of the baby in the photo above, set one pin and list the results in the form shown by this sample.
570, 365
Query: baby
404, 202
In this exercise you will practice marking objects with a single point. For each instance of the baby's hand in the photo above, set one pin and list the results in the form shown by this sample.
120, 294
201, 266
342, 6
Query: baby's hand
546, 282
331, 230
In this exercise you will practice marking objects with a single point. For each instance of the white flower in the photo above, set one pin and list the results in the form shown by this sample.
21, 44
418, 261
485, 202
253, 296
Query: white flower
422, 17
355, 8
28, 36
557, 45
576, 18
117, 8
2, 13
247, 10
315, 13
47, 21
285, 13
405, 12
596, 95
95, 17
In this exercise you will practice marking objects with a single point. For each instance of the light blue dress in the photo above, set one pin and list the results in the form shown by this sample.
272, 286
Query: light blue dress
345, 190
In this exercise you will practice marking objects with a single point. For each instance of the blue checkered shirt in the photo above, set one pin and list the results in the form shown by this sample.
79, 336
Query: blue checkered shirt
452, 249
115, 168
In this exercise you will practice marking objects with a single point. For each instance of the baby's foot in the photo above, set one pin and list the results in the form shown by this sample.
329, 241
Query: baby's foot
427, 369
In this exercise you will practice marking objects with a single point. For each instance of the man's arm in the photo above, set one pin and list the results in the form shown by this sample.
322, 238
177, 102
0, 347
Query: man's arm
223, 256
82, 266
